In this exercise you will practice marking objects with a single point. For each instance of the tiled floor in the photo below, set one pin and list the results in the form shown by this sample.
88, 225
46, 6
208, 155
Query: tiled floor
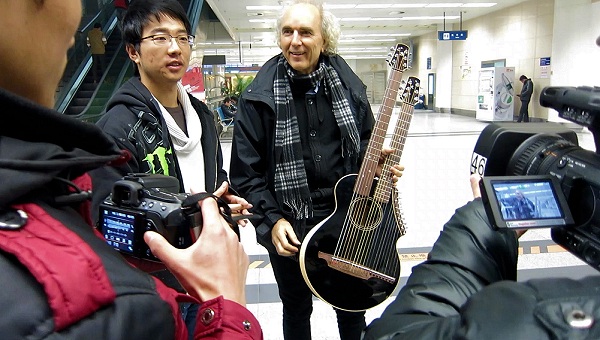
437, 157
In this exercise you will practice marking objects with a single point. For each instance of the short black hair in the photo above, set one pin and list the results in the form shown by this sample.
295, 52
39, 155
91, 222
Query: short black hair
140, 12
523, 77
97, 25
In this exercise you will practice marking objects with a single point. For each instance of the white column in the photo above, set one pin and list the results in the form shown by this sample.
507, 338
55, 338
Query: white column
443, 73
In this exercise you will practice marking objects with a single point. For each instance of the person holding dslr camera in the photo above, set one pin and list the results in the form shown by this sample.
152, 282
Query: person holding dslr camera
60, 278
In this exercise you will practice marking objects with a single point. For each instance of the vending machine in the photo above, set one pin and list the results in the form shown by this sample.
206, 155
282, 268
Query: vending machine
496, 94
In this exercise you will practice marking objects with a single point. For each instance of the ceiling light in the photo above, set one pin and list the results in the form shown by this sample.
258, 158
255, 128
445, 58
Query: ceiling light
364, 40
439, 17
374, 6
375, 35
447, 4
481, 4
330, 7
356, 19
408, 5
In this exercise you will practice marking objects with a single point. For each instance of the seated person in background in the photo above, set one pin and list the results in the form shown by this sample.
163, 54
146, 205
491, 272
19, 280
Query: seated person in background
60, 278
234, 101
228, 111
466, 290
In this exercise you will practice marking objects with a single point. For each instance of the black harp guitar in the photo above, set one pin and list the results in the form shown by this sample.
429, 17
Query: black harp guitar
349, 260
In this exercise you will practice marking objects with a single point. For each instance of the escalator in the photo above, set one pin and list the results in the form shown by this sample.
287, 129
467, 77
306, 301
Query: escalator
88, 88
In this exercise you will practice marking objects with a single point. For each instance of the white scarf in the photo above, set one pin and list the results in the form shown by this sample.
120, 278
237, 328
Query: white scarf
188, 149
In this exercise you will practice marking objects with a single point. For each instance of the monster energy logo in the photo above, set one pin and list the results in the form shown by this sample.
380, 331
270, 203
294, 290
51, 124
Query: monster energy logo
157, 160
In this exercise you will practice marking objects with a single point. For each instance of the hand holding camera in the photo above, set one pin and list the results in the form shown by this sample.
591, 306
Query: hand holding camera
216, 264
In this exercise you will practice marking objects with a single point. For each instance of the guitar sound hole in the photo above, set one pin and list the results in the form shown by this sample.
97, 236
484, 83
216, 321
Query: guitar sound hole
365, 214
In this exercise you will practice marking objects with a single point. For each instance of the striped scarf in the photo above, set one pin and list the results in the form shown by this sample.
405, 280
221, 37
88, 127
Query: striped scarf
291, 185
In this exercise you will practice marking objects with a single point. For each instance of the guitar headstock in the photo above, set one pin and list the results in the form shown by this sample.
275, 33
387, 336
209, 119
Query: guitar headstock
410, 95
398, 57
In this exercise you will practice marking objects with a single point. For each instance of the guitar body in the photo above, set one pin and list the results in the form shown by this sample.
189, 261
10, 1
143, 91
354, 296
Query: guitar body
350, 259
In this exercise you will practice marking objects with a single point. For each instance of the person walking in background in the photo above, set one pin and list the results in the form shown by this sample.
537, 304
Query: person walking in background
121, 8
525, 95
301, 125
96, 41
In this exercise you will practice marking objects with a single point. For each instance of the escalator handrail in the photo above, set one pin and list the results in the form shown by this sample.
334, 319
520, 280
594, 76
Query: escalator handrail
193, 13
101, 82
70, 88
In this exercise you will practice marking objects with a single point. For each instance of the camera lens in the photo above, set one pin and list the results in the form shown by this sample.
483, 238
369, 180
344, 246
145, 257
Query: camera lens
537, 154
543, 154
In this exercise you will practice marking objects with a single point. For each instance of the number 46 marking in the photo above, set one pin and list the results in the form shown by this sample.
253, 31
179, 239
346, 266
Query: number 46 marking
478, 164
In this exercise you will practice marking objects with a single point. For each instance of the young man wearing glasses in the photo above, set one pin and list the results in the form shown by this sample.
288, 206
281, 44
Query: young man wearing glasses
166, 130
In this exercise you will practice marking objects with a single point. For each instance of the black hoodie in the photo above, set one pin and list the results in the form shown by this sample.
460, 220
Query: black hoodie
134, 121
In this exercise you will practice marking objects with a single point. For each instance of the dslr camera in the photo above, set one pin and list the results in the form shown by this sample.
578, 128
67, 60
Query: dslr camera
537, 175
142, 202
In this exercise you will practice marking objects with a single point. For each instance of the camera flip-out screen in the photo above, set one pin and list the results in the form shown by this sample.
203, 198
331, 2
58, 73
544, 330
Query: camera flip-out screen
523, 202
119, 228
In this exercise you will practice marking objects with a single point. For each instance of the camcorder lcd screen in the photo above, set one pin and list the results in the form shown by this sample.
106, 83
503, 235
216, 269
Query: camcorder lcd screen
525, 202
118, 228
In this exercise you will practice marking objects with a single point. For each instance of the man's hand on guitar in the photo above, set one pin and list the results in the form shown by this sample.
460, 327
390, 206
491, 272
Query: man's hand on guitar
284, 238
396, 169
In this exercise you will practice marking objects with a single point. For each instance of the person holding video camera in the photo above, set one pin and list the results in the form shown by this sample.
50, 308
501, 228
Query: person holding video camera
59, 277
467, 289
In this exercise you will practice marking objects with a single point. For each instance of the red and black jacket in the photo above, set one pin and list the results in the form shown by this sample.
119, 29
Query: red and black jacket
59, 275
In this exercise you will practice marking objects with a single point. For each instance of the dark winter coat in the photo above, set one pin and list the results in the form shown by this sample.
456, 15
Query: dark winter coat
466, 290
60, 279
252, 169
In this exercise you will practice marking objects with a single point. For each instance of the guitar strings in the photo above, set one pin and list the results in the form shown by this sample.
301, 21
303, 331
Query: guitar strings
367, 214
393, 229
390, 229
351, 246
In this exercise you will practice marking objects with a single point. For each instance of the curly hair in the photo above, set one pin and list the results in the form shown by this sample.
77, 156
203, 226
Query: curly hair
330, 27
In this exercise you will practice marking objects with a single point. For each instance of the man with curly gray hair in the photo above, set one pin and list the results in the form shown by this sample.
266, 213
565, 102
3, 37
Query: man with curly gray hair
302, 124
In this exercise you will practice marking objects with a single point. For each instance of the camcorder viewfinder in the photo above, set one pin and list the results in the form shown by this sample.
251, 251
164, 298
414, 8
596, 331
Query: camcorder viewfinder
524, 202
544, 163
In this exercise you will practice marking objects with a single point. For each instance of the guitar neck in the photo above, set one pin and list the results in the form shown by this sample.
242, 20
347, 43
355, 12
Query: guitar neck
384, 186
366, 175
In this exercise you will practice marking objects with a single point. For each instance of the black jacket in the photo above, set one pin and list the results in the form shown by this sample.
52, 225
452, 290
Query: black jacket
134, 121
40, 149
466, 290
252, 169
527, 90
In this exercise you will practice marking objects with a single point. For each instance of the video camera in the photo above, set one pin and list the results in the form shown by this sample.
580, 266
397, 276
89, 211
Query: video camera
544, 163
141, 202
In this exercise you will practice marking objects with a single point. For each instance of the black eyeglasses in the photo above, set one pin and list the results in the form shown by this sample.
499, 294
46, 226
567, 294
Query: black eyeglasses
164, 39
